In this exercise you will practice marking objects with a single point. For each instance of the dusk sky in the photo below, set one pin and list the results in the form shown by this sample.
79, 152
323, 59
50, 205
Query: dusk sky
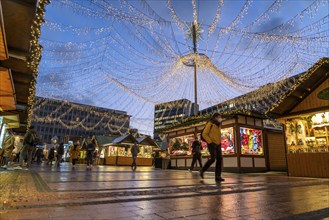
128, 55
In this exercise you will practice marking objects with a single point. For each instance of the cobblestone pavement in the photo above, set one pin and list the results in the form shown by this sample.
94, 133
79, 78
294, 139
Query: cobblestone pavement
109, 192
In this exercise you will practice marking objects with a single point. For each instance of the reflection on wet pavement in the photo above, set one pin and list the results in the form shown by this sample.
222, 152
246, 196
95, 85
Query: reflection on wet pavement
109, 192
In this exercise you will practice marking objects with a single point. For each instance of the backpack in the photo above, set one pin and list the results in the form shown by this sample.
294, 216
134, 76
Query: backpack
201, 135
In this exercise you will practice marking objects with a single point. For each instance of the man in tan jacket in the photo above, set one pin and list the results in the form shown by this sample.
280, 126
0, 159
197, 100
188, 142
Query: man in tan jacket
212, 135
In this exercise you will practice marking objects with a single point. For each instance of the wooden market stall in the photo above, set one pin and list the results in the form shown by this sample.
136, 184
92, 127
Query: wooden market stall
245, 143
305, 115
118, 151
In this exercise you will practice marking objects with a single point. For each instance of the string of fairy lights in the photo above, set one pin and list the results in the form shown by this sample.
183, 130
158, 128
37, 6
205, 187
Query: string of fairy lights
131, 55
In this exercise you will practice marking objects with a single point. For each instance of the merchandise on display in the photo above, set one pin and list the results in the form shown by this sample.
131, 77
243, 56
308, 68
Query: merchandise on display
308, 133
251, 141
227, 142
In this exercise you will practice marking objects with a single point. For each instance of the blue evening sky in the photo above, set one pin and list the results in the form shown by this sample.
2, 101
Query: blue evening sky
125, 54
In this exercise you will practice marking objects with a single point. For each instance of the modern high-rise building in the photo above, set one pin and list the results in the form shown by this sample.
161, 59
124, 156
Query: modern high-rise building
170, 112
53, 117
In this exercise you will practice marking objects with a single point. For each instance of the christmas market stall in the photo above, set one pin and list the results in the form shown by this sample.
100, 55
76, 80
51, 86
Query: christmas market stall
146, 145
118, 151
305, 115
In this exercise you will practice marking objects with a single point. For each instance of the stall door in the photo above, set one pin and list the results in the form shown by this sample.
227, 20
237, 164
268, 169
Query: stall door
276, 148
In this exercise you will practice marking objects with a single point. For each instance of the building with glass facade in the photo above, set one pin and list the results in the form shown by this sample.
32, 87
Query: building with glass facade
52, 117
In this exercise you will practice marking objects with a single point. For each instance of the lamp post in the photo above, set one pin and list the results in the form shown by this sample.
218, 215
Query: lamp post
195, 75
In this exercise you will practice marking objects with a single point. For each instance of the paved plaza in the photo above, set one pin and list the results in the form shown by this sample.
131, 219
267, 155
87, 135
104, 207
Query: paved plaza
109, 192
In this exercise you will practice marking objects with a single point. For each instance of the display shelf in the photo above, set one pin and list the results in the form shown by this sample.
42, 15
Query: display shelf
321, 136
321, 125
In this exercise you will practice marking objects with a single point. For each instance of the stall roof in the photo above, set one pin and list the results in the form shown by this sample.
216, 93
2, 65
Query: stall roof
126, 139
147, 141
305, 85
101, 140
3, 43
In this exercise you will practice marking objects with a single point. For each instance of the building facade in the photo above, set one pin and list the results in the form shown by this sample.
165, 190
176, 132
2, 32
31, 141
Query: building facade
52, 117
170, 112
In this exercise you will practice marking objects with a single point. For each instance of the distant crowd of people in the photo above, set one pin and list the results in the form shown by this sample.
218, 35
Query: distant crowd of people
22, 154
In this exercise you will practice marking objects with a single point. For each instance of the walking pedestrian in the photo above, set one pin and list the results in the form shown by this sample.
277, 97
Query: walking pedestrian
89, 154
212, 135
134, 152
196, 152
8, 147
60, 153
74, 153
51, 155
30, 139
17, 150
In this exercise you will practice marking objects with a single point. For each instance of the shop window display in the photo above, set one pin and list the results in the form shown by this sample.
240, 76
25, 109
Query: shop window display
145, 151
227, 142
180, 146
251, 141
112, 151
309, 133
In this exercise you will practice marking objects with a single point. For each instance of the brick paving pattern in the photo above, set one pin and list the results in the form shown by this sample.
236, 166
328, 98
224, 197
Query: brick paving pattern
108, 192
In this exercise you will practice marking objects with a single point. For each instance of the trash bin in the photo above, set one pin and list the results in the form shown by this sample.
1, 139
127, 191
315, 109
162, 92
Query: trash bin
158, 162
165, 163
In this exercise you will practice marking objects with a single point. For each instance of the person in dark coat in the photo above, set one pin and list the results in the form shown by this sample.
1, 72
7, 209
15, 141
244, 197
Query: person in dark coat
51, 155
38, 155
134, 152
60, 153
89, 154
196, 152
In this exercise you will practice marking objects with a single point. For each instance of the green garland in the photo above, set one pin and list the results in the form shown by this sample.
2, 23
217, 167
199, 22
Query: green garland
35, 56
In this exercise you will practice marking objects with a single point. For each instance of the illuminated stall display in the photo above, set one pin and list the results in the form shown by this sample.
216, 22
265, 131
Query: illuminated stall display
228, 142
308, 134
181, 146
251, 141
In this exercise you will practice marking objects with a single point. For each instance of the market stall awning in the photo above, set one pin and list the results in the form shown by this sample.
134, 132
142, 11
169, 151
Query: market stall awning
7, 90
146, 141
18, 18
11, 121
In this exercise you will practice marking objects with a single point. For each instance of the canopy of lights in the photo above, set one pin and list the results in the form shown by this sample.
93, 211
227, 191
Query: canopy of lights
131, 55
